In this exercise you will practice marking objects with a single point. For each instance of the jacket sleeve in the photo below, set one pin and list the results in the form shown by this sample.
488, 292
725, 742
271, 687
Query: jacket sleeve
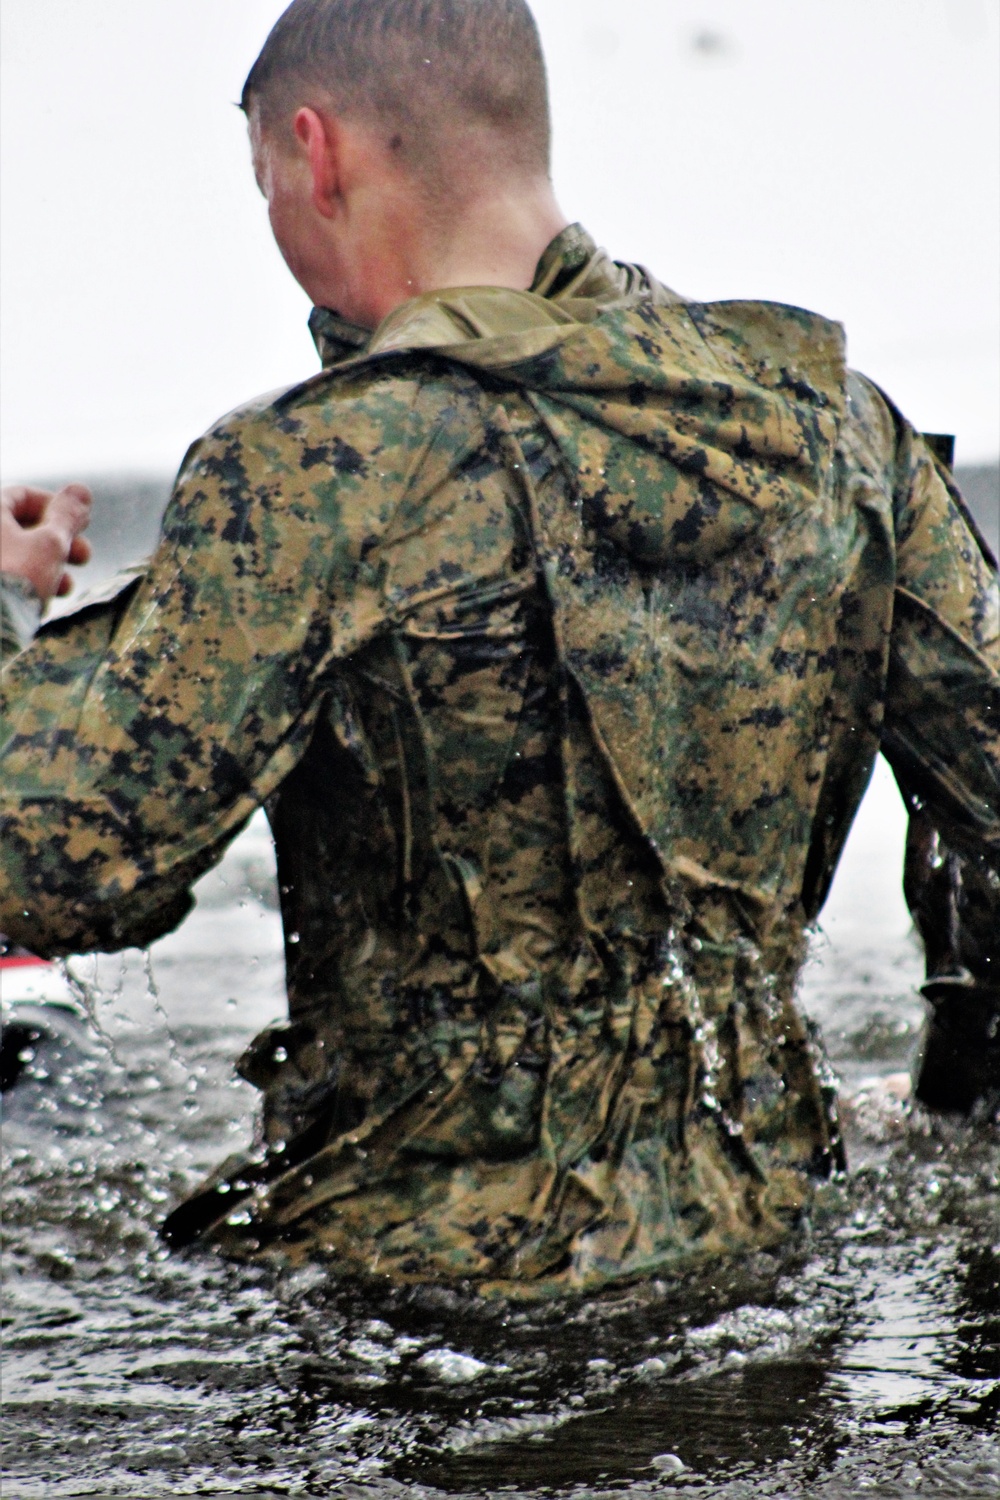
139, 734
942, 737
942, 723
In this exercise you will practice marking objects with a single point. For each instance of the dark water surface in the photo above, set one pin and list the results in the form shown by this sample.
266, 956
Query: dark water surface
862, 1362
865, 1361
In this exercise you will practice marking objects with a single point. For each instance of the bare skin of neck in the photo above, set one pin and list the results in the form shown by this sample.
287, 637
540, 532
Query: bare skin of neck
361, 233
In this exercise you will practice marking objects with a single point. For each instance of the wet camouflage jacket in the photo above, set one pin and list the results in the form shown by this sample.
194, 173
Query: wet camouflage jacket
557, 632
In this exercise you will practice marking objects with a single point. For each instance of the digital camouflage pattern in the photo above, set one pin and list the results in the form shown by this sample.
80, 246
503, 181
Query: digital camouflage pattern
557, 632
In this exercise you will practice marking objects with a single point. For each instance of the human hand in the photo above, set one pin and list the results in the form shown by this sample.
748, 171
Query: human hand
40, 532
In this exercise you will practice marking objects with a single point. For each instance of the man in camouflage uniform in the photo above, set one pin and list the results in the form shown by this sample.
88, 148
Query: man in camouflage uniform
557, 630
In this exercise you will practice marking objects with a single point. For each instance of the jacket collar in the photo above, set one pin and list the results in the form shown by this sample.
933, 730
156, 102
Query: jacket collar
572, 276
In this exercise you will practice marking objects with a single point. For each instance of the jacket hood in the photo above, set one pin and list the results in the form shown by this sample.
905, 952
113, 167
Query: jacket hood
687, 426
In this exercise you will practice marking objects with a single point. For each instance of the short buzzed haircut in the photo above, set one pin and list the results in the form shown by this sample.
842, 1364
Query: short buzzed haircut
423, 69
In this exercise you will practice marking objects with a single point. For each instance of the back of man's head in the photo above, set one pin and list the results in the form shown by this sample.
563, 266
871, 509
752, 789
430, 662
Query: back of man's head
429, 73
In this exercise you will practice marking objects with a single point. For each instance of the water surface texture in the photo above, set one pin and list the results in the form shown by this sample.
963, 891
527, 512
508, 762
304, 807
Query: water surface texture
865, 1360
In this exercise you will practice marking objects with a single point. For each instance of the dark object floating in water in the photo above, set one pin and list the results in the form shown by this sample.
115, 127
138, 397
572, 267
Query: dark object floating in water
43, 1029
18, 1040
24, 978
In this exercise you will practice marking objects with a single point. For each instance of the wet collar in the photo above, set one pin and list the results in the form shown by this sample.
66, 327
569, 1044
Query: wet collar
572, 270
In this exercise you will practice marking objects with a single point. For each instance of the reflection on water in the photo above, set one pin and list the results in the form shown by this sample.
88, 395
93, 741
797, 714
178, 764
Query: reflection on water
865, 1361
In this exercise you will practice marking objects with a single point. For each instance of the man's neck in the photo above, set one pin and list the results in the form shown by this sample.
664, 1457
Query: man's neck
494, 241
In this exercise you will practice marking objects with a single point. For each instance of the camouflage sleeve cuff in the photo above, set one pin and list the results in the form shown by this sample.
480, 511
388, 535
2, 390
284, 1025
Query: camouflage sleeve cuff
20, 614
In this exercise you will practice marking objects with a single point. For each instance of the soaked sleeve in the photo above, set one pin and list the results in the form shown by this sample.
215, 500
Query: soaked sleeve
942, 737
942, 723
140, 733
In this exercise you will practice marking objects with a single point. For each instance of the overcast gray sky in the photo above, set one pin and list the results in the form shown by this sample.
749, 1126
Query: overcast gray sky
842, 154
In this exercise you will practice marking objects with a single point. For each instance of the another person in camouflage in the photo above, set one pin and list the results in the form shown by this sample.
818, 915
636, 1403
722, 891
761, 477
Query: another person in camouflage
557, 630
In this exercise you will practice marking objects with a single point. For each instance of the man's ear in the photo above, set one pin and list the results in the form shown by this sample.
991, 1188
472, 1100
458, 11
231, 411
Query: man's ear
319, 138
